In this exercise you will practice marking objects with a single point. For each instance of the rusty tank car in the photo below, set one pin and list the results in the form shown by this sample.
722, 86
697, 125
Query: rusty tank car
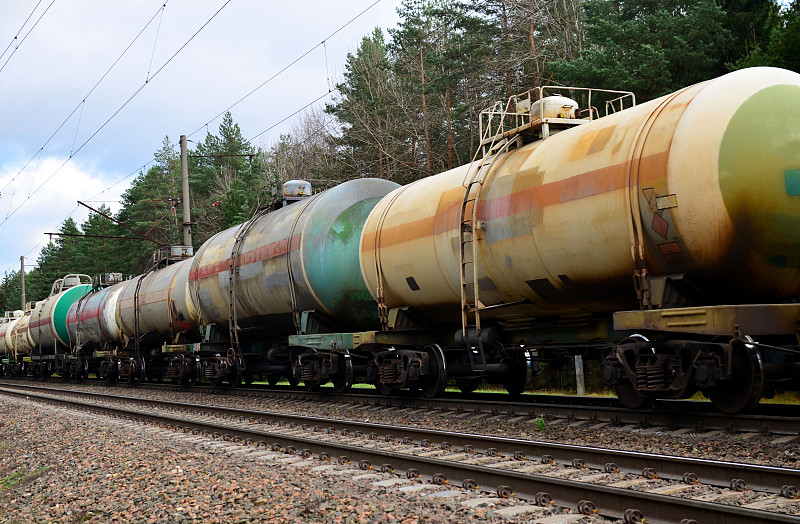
286, 271
664, 236
8, 360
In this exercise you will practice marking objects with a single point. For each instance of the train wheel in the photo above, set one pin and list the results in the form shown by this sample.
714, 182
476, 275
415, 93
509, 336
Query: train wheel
519, 373
343, 378
468, 385
273, 379
83, 371
234, 376
311, 385
435, 381
629, 398
743, 390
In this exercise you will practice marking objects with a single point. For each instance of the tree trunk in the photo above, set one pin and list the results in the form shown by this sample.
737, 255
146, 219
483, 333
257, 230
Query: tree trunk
537, 74
425, 114
449, 129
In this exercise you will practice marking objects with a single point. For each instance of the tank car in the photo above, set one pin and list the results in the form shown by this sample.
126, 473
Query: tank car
8, 361
665, 235
92, 327
286, 271
661, 238
39, 338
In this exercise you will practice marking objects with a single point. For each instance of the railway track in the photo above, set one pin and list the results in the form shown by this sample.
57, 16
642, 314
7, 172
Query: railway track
775, 419
616, 484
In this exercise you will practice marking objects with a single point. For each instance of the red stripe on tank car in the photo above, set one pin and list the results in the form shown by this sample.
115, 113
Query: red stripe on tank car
588, 184
38, 323
85, 315
261, 254
146, 299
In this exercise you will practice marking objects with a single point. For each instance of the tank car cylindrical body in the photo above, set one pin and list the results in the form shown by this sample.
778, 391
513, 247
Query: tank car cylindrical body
48, 324
92, 321
703, 182
21, 342
6, 325
165, 307
299, 258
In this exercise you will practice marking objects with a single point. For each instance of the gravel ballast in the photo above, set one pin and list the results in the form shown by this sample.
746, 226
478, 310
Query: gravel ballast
59, 465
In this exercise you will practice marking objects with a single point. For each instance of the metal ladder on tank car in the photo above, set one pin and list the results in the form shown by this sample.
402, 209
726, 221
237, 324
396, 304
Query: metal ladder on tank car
489, 151
233, 284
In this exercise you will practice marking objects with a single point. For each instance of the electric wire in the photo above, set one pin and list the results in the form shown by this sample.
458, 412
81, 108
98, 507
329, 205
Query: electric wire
16, 36
16, 47
83, 101
237, 102
292, 63
131, 97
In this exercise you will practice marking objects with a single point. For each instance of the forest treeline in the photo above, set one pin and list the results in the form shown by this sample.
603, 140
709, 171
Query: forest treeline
407, 107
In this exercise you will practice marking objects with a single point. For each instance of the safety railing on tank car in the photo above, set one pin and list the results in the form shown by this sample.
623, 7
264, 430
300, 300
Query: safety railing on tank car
528, 110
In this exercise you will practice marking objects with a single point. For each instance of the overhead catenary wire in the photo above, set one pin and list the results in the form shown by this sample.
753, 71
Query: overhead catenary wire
120, 108
16, 36
331, 89
272, 77
86, 96
285, 68
16, 47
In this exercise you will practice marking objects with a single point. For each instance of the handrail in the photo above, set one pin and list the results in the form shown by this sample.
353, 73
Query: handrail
525, 111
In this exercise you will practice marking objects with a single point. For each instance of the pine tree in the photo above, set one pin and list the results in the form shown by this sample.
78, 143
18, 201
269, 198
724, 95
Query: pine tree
650, 48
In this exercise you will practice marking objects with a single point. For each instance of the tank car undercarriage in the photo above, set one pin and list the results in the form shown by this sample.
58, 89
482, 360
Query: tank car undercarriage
393, 360
679, 351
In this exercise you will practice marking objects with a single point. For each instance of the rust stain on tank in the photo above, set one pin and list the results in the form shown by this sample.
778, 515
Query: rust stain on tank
584, 185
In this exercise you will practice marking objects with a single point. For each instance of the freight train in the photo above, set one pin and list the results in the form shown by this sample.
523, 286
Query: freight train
662, 239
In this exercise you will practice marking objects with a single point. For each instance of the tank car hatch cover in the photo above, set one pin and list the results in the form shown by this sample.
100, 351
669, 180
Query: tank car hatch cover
759, 173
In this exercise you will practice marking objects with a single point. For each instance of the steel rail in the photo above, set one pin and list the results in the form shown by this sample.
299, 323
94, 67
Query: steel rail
716, 473
633, 506
774, 419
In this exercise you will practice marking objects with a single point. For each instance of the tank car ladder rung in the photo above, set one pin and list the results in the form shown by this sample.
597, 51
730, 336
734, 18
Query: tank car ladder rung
468, 250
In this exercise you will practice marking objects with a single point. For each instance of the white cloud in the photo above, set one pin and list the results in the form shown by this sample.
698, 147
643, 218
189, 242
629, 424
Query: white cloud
75, 43
44, 211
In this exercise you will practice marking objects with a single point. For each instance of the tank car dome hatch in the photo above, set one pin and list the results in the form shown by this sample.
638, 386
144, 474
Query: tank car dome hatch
555, 106
295, 190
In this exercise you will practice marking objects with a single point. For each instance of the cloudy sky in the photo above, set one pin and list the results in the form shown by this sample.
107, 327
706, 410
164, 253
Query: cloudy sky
54, 52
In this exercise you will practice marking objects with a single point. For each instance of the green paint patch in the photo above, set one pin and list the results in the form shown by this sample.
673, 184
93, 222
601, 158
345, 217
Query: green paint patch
759, 175
65, 301
792, 178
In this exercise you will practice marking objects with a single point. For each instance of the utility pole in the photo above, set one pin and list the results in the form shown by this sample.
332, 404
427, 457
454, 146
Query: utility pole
187, 219
22, 281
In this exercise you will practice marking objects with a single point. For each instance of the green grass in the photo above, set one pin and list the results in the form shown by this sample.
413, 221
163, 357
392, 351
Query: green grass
789, 397
21, 477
